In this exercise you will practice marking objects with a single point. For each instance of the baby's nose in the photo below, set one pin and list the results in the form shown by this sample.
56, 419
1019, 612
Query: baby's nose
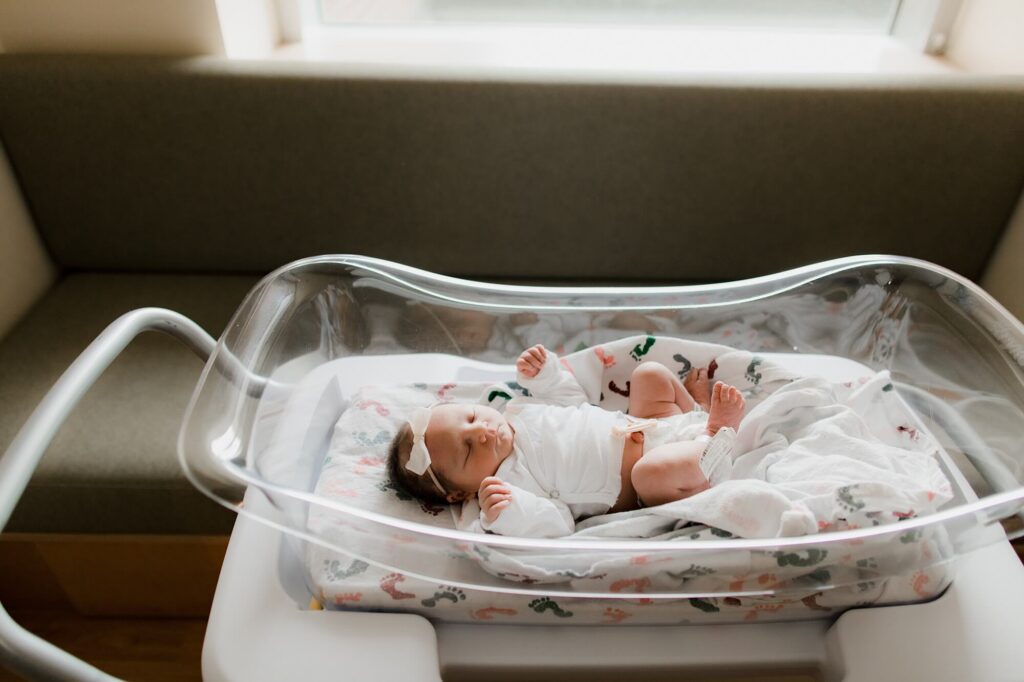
485, 431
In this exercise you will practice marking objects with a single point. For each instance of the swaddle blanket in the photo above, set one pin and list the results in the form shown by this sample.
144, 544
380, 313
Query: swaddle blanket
810, 456
813, 457
797, 452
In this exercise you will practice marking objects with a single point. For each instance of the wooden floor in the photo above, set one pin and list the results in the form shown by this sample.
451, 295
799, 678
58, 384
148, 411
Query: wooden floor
158, 649
130, 648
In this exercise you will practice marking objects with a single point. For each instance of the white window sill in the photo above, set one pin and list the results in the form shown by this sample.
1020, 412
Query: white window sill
617, 52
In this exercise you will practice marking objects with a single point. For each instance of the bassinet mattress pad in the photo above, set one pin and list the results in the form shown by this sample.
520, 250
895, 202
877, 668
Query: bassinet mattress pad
887, 472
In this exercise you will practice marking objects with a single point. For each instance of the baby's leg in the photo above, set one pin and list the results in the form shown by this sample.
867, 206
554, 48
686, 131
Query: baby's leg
670, 472
655, 392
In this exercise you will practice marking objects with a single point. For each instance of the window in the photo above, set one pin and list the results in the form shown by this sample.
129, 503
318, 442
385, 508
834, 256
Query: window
875, 16
655, 36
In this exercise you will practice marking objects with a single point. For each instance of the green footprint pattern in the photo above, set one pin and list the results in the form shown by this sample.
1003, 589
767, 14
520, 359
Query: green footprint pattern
640, 351
847, 500
364, 439
752, 375
687, 366
516, 387
704, 605
446, 593
547, 604
497, 394
385, 486
813, 557
816, 578
911, 536
333, 570
694, 571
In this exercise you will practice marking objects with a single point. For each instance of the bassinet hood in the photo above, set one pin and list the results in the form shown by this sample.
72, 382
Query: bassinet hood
313, 334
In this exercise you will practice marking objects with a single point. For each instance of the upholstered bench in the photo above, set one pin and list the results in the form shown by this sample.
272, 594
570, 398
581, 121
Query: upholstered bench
140, 173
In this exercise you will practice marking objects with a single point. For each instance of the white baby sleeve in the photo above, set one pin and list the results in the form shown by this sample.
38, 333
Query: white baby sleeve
554, 384
531, 516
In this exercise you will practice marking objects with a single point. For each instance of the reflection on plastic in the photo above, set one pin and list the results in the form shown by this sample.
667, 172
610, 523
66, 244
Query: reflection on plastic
953, 354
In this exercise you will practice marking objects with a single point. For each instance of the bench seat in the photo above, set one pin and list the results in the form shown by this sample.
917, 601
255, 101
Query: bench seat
122, 477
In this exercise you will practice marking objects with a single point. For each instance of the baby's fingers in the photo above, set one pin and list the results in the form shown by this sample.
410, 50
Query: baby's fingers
490, 480
527, 365
494, 490
494, 512
495, 499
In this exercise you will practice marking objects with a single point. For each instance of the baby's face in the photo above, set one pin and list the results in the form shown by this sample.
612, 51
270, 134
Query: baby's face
467, 443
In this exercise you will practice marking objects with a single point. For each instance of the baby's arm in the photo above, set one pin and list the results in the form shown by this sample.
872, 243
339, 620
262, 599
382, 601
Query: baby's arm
508, 510
540, 371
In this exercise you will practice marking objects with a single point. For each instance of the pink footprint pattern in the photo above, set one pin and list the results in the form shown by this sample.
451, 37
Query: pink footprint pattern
367, 404
606, 359
389, 584
490, 612
613, 615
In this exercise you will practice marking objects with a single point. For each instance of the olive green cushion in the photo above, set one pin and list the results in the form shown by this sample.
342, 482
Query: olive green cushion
113, 466
210, 165
237, 166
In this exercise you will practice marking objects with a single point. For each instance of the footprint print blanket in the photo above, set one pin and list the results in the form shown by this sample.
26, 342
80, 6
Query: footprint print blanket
811, 457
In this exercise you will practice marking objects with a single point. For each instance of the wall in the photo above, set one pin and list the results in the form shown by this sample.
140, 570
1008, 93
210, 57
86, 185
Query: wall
1004, 277
157, 27
26, 270
988, 37
236, 28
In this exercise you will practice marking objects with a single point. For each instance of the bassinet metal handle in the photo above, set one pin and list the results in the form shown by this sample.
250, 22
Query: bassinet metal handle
21, 650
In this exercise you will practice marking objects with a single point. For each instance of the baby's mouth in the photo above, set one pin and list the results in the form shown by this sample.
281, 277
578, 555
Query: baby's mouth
505, 433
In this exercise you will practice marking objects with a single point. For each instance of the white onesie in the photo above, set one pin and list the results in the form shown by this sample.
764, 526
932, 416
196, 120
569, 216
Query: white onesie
566, 459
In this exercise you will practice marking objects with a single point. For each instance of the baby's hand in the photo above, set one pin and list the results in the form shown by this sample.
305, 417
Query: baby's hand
494, 497
531, 361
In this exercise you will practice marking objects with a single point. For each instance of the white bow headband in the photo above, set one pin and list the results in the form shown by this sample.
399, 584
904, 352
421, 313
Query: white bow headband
419, 458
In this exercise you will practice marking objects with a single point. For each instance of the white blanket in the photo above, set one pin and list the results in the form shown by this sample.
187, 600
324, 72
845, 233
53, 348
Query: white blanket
811, 457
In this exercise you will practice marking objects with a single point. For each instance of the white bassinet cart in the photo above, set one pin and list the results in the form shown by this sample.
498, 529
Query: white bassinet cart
313, 334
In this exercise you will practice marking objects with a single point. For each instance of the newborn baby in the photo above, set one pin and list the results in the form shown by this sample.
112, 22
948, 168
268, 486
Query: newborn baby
554, 458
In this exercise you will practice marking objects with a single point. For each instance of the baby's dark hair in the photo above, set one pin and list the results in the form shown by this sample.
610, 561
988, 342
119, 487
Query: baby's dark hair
420, 487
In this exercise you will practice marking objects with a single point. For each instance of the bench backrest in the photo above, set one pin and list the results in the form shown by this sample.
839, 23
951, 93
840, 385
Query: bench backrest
210, 165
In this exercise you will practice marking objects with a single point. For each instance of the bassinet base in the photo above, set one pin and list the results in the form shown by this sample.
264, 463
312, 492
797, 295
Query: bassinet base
971, 632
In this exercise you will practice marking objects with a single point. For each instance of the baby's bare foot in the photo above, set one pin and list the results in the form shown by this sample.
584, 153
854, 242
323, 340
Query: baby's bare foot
698, 385
726, 407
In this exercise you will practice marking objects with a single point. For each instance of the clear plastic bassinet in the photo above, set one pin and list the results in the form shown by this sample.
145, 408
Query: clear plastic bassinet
954, 355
